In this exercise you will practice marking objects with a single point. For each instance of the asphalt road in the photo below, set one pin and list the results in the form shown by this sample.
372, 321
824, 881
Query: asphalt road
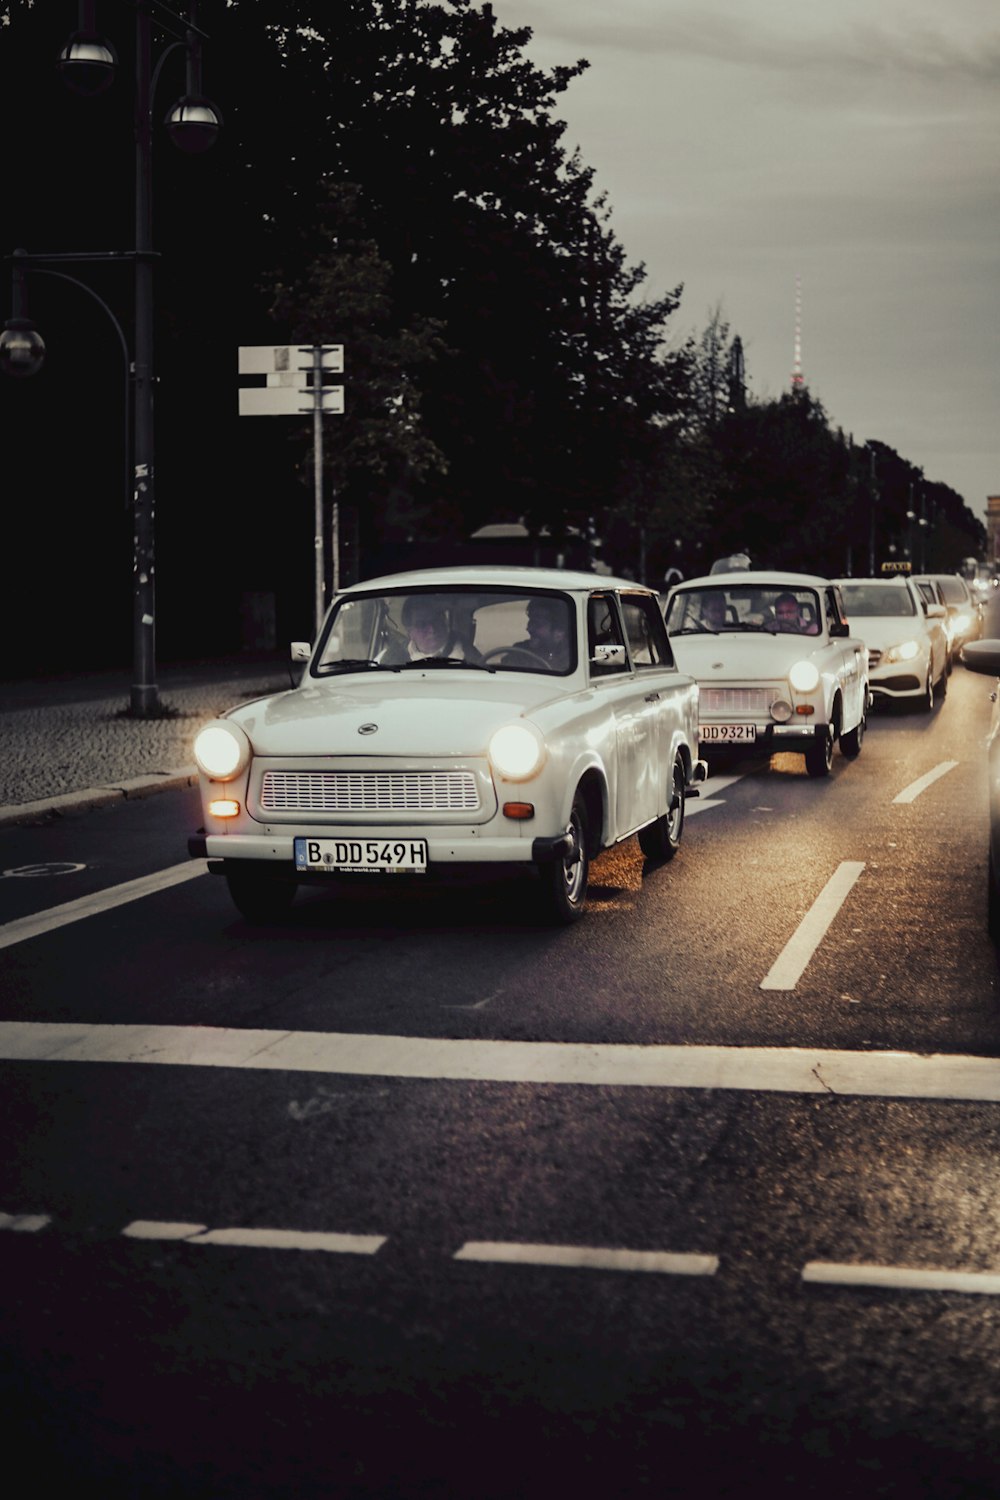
411, 1195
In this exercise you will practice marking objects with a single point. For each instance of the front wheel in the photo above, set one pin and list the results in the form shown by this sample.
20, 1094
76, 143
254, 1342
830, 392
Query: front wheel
819, 756
565, 879
661, 839
259, 898
850, 743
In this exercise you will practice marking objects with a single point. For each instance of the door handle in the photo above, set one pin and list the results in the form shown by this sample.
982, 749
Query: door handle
652, 698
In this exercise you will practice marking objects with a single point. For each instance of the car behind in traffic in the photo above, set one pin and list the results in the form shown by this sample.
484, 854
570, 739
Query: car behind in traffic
906, 639
776, 662
984, 657
451, 718
965, 612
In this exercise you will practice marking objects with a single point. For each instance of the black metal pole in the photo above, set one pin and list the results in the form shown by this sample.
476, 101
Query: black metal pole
145, 693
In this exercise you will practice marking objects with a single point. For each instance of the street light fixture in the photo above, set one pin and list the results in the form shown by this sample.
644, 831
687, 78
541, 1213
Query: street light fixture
88, 64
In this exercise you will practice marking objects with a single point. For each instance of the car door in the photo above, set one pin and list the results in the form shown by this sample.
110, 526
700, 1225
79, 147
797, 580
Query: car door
656, 712
622, 705
853, 659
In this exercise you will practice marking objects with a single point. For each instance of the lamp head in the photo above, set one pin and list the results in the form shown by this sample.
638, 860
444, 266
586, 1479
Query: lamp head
88, 63
22, 348
193, 124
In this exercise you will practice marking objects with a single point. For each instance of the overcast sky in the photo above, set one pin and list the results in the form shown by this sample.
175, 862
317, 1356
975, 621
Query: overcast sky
853, 144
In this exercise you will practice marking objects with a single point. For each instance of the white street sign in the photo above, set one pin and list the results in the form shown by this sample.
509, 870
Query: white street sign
268, 359
288, 400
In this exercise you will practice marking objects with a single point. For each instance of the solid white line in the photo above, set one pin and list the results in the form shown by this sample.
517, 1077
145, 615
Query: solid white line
89, 906
903, 1278
912, 792
882, 1075
266, 1239
24, 1223
791, 963
589, 1258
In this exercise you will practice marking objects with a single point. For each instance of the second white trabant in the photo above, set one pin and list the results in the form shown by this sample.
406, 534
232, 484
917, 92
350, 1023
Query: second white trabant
776, 662
450, 717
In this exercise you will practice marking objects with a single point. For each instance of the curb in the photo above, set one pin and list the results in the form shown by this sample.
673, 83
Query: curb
97, 796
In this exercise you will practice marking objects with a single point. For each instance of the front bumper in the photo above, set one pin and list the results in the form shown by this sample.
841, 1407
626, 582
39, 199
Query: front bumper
770, 739
276, 854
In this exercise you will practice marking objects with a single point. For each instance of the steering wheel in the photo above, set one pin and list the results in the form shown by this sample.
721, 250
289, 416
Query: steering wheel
532, 656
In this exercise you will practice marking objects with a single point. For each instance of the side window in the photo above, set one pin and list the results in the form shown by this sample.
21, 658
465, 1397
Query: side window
605, 645
647, 637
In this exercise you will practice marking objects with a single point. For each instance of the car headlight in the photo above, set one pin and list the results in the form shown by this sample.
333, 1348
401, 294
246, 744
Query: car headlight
804, 676
515, 752
963, 621
221, 751
905, 651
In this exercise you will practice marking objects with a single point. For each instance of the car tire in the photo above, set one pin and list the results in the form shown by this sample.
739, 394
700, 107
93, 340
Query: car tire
661, 839
819, 756
565, 880
851, 742
259, 898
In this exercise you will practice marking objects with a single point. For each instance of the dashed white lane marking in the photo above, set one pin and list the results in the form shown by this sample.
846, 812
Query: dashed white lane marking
796, 1070
912, 792
708, 791
588, 1257
24, 1223
266, 1239
89, 906
903, 1278
793, 960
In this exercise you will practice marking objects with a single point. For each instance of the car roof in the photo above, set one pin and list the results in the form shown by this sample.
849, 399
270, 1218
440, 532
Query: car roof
895, 581
487, 575
764, 578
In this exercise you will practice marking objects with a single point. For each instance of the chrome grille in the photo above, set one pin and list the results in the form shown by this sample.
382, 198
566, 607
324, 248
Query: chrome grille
369, 791
742, 700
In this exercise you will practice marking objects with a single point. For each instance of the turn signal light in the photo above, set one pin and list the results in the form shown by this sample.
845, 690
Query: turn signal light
804, 708
225, 807
518, 810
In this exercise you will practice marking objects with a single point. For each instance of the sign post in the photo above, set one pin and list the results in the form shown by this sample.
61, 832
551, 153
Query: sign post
288, 385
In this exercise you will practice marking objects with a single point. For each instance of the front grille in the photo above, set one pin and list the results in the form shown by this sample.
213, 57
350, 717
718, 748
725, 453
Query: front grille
369, 791
748, 701
874, 657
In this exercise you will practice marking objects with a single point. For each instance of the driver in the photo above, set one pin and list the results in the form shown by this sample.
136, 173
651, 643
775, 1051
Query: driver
548, 633
713, 611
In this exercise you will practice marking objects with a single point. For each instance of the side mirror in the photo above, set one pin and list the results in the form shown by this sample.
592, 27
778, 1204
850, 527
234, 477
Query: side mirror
609, 656
839, 628
300, 651
935, 611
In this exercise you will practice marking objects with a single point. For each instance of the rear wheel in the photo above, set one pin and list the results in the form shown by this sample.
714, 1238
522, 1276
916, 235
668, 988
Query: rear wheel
564, 880
259, 898
850, 743
661, 839
819, 756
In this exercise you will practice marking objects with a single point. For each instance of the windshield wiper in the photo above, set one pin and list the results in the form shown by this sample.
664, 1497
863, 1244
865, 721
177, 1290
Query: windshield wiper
352, 663
446, 661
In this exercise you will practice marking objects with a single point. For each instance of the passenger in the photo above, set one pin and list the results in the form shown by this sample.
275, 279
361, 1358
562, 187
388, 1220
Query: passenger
427, 622
548, 633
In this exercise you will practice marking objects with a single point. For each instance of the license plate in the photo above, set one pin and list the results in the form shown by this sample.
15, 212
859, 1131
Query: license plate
366, 856
729, 733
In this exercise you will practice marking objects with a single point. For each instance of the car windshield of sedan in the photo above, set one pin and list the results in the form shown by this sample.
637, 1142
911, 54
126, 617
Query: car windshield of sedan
883, 601
510, 630
744, 607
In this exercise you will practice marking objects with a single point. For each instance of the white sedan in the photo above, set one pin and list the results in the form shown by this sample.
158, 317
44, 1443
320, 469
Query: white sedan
777, 664
906, 636
455, 717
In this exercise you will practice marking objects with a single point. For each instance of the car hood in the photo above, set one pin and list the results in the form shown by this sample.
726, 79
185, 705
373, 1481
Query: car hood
881, 631
750, 656
413, 714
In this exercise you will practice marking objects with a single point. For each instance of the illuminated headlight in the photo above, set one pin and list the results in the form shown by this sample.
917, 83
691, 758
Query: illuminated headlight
515, 752
221, 751
905, 651
804, 676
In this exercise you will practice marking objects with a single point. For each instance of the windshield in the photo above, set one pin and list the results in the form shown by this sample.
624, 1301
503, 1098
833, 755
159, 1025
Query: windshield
743, 607
509, 630
884, 601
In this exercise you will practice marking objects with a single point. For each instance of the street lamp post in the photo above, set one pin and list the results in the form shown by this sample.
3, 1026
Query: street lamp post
88, 64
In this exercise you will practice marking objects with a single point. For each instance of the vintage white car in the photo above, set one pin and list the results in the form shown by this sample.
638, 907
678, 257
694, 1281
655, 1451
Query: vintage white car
776, 662
456, 717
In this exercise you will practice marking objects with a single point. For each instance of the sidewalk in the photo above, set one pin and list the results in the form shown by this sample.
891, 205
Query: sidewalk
67, 742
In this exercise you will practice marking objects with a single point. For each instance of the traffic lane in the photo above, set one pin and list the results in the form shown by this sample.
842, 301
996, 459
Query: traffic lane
764, 1182
675, 953
670, 953
60, 859
320, 1357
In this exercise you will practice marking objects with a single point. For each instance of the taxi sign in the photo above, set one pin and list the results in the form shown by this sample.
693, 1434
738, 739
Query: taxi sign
897, 567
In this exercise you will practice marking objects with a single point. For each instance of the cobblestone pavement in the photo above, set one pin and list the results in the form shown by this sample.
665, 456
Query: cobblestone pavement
64, 739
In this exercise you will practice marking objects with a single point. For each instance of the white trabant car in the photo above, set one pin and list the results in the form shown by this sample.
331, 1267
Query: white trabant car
776, 662
456, 717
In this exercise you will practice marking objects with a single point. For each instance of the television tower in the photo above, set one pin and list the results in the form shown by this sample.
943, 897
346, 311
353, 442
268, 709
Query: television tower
798, 379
